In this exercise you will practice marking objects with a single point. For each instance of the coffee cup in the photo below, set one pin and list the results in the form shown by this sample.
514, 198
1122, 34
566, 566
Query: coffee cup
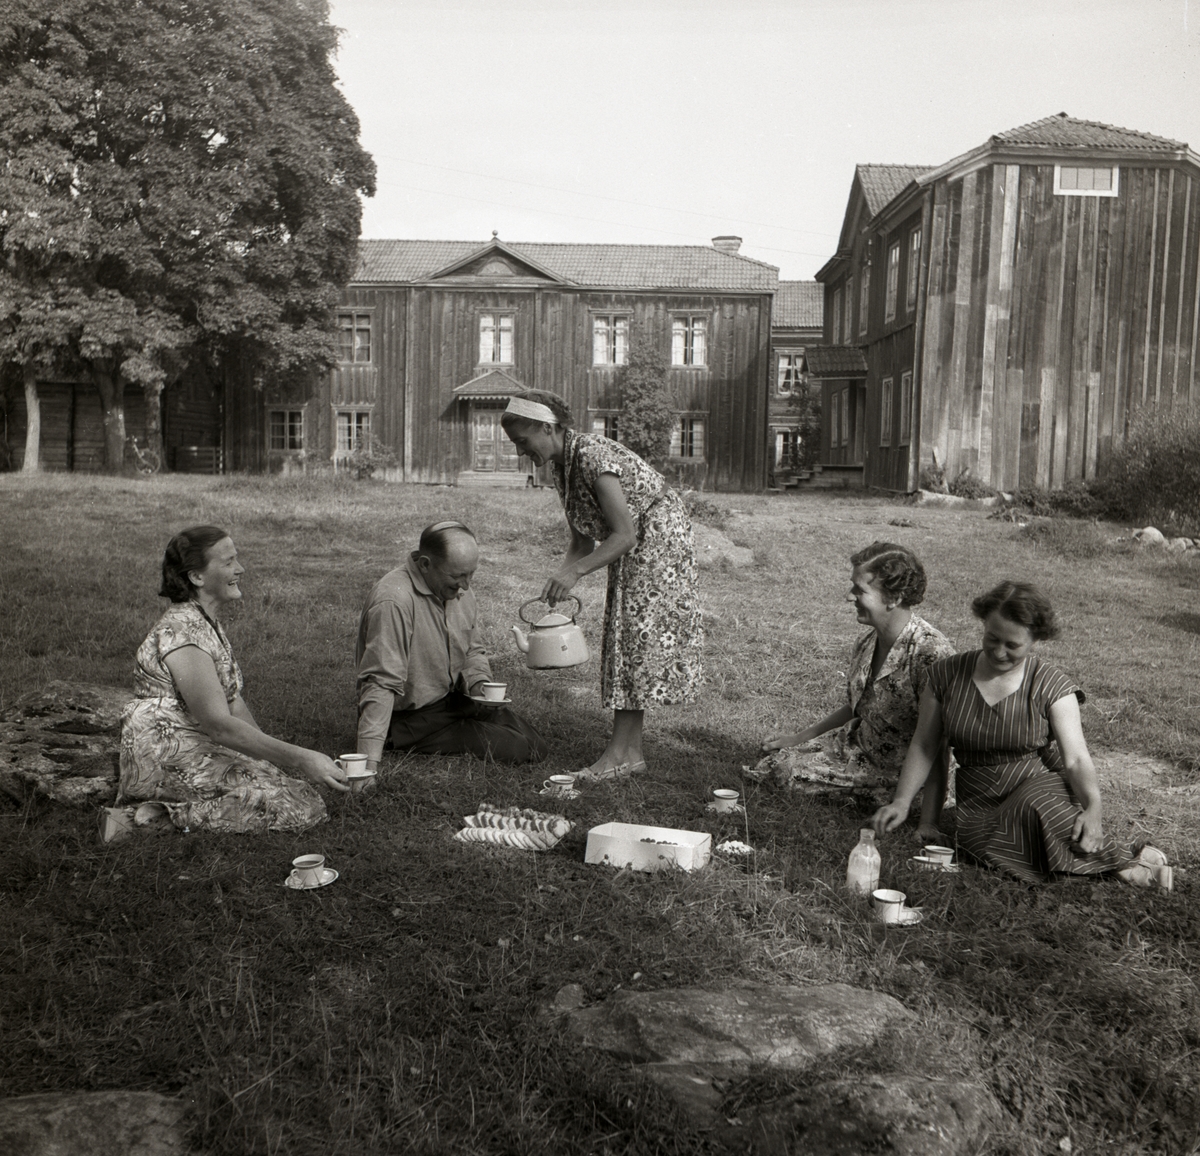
888, 905
307, 869
559, 783
494, 691
725, 799
352, 763
941, 855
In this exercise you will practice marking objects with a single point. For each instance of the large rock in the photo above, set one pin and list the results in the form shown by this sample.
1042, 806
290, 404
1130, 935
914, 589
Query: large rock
902, 1115
713, 547
690, 1040
113, 1123
63, 741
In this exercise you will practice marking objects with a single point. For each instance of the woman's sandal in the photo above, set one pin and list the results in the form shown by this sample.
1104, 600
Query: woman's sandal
620, 771
1149, 869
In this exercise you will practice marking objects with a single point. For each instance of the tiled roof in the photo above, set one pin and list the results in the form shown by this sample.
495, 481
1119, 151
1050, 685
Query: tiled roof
594, 266
1063, 131
835, 361
799, 305
881, 183
494, 383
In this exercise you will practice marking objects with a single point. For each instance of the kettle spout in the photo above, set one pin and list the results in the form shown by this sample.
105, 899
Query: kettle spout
521, 640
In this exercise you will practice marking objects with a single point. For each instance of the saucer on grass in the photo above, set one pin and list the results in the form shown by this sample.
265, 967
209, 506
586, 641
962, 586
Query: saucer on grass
909, 916
935, 864
328, 875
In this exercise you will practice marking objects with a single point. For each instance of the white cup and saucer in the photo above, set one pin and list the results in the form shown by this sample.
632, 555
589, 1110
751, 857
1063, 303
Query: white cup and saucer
492, 694
890, 909
358, 778
308, 872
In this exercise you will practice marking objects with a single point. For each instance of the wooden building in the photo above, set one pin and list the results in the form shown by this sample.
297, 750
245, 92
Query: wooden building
796, 324
437, 335
1013, 309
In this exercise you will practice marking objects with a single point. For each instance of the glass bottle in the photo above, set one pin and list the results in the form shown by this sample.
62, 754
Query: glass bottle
862, 870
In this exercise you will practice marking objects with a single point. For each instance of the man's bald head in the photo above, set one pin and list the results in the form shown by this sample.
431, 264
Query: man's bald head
447, 556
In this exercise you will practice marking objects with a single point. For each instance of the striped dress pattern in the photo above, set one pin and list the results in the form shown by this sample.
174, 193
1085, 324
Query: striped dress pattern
1016, 810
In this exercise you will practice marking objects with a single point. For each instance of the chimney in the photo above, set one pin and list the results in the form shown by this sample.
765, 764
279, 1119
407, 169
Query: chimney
727, 244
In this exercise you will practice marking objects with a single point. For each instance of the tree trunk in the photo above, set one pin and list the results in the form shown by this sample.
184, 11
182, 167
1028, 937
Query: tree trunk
33, 422
111, 388
154, 438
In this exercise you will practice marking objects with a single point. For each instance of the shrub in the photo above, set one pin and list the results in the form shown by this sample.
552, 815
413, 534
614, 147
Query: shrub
647, 415
700, 509
966, 485
1074, 500
366, 459
1154, 478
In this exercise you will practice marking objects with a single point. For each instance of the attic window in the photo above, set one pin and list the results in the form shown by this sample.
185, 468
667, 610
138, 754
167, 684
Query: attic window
1086, 180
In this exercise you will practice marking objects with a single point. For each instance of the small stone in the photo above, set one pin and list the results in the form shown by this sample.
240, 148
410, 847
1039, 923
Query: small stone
567, 999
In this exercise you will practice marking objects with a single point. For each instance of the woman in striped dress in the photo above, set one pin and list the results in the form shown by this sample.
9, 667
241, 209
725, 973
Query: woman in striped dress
1028, 799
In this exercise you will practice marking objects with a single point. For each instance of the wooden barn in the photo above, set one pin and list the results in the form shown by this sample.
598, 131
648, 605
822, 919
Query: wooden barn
437, 335
1013, 309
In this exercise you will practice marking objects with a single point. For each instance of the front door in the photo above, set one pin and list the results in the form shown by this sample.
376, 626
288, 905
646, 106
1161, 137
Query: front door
491, 451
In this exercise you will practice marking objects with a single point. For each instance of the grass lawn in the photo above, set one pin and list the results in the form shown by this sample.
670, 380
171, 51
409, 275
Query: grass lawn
398, 1009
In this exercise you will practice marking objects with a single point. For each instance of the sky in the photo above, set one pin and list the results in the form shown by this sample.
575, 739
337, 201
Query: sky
659, 122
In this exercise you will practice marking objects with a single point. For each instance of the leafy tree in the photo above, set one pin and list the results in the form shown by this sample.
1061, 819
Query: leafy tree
647, 412
180, 181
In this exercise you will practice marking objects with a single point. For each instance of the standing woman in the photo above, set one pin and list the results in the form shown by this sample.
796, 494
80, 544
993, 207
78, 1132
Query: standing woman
623, 515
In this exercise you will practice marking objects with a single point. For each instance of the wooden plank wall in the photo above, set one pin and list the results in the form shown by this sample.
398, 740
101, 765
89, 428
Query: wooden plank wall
553, 350
1053, 321
72, 426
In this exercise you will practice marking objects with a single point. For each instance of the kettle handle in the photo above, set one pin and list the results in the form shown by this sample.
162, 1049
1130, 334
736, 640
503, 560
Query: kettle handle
542, 601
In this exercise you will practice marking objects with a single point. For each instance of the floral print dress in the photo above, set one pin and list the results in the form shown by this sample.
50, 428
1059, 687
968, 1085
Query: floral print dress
651, 650
165, 756
866, 755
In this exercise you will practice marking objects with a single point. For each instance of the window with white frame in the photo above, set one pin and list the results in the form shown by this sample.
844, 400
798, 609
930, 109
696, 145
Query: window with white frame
834, 425
847, 314
906, 404
914, 268
610, 340
788, 374
495, 339
352, 431
787, 448
687, 438
354, 338
835, 333
864, 294
1086, 180
893, 281
845, 407
885, 411
607, 425
689, 340
285, 429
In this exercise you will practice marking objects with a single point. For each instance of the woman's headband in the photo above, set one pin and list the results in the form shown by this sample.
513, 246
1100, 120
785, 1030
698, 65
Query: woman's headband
533, 410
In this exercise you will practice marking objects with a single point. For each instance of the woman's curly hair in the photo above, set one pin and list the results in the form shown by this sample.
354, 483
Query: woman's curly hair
1022, 603
896, 568
187, 551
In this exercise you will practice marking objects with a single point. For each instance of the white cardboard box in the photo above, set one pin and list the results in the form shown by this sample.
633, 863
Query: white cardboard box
647, 848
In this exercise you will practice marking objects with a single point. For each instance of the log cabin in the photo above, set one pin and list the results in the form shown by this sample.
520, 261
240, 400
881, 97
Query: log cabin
437, 335
1013, 309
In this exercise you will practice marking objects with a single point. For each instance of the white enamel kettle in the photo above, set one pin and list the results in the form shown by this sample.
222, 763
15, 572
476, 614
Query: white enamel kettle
553, 640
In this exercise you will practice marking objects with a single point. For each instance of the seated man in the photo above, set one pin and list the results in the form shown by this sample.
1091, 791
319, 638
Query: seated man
418, 660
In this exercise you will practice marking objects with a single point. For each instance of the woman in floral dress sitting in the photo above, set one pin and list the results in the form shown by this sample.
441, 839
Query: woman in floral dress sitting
188, 740
866, 737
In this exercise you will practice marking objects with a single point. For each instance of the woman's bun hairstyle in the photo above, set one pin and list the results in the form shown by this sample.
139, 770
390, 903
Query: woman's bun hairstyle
187, 551
1022, 603
896, 568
